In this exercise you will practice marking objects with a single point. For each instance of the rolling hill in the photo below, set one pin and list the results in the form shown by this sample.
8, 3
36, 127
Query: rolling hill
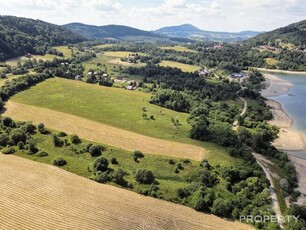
192, 32
294, 33
109, 31
23, 35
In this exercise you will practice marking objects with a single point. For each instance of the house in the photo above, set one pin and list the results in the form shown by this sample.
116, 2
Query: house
89, 73
130, 87
203, 72
104, 75
28, 55
218, 47
237, 75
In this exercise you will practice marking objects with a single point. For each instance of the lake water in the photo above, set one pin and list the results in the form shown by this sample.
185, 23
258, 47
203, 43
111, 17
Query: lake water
294, 102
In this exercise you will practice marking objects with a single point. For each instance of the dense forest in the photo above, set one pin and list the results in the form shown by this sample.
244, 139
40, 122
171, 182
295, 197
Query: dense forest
19, 36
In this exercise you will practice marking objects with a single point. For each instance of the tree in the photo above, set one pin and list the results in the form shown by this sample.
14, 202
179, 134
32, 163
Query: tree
137, 154
118, 177
144, 176
59, 162
100, 164
57, 141
94, 151
75, 139
17, 136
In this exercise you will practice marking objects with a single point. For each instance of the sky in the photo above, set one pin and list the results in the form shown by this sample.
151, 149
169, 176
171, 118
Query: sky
214, 15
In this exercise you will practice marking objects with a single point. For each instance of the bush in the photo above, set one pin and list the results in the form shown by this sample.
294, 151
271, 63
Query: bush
145, 176
94, 151
61, 134
102, 177
20, 145
9, 150
41, 129
137, 154
8, 122
75, 139
57, 141
42, 154
18, 136
31, 148
171, 162
114, 161
118, 177
29, 128
100, 164
59, 162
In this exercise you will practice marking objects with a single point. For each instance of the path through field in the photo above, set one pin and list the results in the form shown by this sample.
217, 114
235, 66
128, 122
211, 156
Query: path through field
101, 133
40, 196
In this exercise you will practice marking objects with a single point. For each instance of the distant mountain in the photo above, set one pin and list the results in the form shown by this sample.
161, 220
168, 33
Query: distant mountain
294, 33
109, 31
192, 32
19, 36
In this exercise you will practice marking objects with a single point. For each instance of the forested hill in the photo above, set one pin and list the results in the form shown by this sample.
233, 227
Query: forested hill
294, 33
109, 31
19, 36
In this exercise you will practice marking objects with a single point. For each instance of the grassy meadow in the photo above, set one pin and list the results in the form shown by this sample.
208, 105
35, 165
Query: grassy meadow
13, 62
183, 67
79, 164
119, 108
65, 50
178, 49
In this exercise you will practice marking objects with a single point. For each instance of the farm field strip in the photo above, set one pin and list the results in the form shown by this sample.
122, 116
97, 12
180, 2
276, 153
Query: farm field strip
178, 49
182, 66
32, 193
102, 133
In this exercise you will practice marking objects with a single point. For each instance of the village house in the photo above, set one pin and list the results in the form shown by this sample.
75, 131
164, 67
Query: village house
218, 47
203, 72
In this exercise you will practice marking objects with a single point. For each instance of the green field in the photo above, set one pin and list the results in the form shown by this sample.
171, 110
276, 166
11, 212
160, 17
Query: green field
65, 50
183, 67
78, 164
116, 107
178, 49
103, 46
121, 54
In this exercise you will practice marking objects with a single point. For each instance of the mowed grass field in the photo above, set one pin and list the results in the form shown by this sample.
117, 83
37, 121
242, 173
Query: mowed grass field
65, 50
114, 107
32, 193
178, 49
183, 67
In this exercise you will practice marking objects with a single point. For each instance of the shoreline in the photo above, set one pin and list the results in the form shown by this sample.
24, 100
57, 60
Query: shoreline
280, 71
289, 139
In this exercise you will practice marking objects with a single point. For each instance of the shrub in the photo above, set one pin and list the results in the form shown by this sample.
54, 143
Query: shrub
9, 150
118, 177
59, 162
100, 164
145, 176
20, 145
8, 122
94, 151
41, 129
57, 141
61, 134
18, 136
42, 154
29, 128
137, 154
75, 139
102, 177
171, 162
114, 161
3, 139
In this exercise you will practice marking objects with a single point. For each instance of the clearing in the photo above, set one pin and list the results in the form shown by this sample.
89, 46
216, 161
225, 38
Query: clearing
32, 193
183, 67
117, 61
101, 133
178, 49
13, 62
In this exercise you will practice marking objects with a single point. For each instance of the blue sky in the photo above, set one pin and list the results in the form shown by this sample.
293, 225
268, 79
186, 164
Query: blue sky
216, 15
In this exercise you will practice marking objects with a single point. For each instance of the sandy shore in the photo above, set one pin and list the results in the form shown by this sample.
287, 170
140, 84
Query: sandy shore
289, 139
281, 71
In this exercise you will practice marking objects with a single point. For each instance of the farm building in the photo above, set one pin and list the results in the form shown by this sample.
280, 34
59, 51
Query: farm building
104, 75
203, 72
130, 87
